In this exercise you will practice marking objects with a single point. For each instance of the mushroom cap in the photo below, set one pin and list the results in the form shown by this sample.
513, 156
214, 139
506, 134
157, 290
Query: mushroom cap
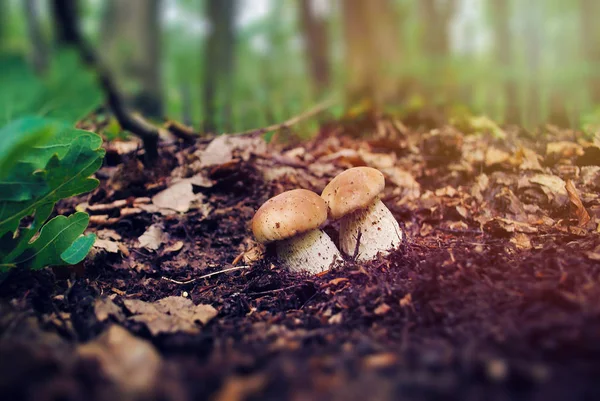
353, 189
287, 214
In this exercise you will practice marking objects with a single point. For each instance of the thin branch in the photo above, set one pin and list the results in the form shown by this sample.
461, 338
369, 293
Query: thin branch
205, 276
317, 109
71, 35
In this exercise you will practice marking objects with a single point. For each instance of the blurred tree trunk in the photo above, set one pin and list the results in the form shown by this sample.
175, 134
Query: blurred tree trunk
590, 31
372, 50
533, 53
218, 72
130, 43
66, 22
316, 41
435, 17
504, 57
186, 103
39, 50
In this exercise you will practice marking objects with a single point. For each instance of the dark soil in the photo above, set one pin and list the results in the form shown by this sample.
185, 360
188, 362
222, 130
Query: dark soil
495, 295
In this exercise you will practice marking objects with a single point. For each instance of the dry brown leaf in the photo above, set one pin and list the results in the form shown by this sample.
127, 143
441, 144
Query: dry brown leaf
406, 300
552, 185
178, 197
107, 245
223, 148
521, 241
528, 159
105, 308
170, 315
495, 156
582, 214
593, 256
128, 361
382, 309
153, 238
174, 247
509, 226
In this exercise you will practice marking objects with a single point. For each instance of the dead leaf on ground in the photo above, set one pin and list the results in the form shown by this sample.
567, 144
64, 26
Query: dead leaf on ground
552, 186
105, 308
170, 315
223, 148
107, 245
499, 224
176, 247
521, 241
128, 361
495, 156
153, 238
582, 214
178, 197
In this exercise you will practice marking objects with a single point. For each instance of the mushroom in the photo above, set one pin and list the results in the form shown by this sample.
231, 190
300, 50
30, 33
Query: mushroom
292, 220
353, 196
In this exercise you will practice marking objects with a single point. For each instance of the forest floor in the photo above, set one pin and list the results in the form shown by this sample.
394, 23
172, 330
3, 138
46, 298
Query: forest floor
495, 294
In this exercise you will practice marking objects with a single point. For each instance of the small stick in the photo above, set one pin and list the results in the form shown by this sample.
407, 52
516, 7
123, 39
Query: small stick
205, 276
292, 121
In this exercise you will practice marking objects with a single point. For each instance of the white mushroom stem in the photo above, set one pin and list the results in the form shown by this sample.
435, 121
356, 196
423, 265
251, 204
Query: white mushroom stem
311, 252
379, 231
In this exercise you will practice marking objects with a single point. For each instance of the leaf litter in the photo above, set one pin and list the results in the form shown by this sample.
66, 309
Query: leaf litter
495, 290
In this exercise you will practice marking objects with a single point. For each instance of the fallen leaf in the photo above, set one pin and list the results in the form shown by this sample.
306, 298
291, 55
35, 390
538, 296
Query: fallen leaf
223, 149
406, 300
582, 214
495, 156
170, 315
105, 308
153, 238
107, 245
593, 256
178, 197
174, 247
528, 159
425, 230
130, 362
553, 186
521, 241
509, 226
382, 309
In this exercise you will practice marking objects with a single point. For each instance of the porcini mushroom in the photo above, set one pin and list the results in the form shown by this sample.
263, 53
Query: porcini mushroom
354, 197
292, 220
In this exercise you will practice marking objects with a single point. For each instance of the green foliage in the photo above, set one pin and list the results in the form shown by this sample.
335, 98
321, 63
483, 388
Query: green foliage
68, 91
43, 159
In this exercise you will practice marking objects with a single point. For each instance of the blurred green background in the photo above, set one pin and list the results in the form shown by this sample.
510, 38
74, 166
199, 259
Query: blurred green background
232, 65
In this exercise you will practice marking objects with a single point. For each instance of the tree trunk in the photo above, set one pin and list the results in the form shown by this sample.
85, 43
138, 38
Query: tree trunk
130, 42
533, 53
504, 57
372, 50
66, 24
316, 41
218, 73
590, 32
39, 50
435, 17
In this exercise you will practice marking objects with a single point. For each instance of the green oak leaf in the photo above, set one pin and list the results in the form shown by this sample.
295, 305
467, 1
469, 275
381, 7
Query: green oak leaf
64, 177
78, 249
56, 237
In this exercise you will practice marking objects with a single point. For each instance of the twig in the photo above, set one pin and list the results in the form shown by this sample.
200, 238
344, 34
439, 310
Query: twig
292, 121
205, 276
128, 121
183, 132
274, 291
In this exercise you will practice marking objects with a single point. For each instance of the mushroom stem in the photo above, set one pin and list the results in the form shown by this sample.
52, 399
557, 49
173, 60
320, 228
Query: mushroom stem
311, 252
379, 231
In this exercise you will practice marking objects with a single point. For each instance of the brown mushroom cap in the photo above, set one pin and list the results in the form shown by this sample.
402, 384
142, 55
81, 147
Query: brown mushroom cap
353, 189
287, 214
